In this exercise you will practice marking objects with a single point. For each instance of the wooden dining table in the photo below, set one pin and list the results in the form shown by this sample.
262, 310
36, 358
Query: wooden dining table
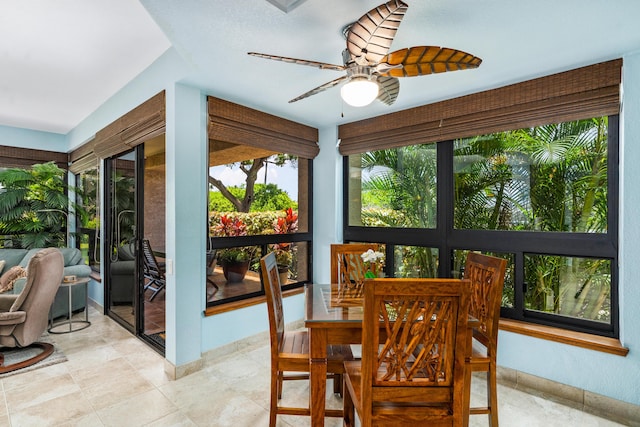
332, 321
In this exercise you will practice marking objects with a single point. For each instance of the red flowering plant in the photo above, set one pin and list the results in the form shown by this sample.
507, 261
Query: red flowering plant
233, 227
285, 225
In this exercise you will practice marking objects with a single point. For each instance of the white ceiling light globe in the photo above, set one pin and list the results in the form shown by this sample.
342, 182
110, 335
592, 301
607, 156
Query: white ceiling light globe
359, 92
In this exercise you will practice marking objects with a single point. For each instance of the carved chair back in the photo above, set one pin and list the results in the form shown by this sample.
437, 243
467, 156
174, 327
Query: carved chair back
486, 274
414, 345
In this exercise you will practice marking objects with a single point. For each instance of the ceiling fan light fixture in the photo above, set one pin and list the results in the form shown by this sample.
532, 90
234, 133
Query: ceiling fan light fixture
359, 91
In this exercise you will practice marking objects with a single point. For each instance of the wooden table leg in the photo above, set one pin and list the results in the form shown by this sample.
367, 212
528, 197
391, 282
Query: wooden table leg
317, 375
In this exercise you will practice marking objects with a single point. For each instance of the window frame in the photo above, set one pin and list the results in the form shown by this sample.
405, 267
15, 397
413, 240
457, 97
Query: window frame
447, 239
232, 123
264, 241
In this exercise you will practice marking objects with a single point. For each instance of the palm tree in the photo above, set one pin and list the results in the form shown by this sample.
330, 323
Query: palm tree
554, 177
34, 205
404, 181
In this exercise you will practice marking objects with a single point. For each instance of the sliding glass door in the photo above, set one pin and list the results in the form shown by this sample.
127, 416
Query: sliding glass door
134, 209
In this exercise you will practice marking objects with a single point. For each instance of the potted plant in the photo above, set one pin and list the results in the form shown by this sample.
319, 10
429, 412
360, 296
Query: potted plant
284, 251
234, 261
373, 263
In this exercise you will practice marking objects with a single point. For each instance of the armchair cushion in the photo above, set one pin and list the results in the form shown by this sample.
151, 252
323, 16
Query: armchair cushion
126, 252
79, 270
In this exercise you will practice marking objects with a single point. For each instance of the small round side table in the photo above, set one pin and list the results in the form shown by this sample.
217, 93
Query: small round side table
70, 323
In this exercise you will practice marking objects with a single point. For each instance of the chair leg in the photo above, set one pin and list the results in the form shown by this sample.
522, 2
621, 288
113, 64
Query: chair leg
276, 391
492, 395
466, 401
212, 283
337, 384
348, 410
280, 383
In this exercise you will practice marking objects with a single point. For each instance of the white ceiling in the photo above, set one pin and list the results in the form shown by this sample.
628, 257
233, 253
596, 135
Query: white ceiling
60, 60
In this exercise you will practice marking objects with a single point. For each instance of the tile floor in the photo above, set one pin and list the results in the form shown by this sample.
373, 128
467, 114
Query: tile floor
113, 379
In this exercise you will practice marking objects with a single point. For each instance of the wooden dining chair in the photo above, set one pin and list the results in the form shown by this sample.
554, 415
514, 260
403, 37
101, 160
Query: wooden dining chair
486, 274
290, 349
347, 267
414, 342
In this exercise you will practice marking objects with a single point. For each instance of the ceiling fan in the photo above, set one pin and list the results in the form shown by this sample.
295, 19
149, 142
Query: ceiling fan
371, 72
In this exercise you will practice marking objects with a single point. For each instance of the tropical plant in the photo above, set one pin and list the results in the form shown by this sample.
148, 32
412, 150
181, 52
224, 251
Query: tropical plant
550, 178
233, 227
34, 205
402, 182
285, 225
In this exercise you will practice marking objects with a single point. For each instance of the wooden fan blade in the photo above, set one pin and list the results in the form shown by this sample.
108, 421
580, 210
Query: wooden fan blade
321, 65
420, 60
389, 89
371, 35
320, 88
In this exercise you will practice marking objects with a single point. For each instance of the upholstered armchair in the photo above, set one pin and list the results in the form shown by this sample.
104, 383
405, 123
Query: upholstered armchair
24, 316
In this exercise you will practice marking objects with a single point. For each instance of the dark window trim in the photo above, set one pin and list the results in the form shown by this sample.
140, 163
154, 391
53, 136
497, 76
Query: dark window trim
446, 240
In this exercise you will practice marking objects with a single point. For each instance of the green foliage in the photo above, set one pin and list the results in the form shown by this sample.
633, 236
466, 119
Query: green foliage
33, 203
267, 198
548, 178
271, 198
401, 191
219, 203
255, 222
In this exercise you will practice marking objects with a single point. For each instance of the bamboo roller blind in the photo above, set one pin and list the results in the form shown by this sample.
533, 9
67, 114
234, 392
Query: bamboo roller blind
16, 157
137, 126
237, 124
586, 92
83, 157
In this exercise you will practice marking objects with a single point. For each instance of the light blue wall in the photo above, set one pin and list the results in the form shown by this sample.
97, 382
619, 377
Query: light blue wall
162, 74
614, 376
327, 202
26, 138
186, 218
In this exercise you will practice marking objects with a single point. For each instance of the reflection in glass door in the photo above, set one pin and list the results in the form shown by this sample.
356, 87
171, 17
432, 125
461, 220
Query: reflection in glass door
152, 297
121, 246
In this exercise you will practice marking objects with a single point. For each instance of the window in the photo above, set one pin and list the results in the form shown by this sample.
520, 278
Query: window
545, 178
87, 228
539, 197
259, 211
398, 187
260, 171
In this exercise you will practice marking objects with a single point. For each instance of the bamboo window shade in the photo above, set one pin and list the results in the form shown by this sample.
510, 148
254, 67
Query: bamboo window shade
591, 91
83, 158
241, 125
16, 157
144, 122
